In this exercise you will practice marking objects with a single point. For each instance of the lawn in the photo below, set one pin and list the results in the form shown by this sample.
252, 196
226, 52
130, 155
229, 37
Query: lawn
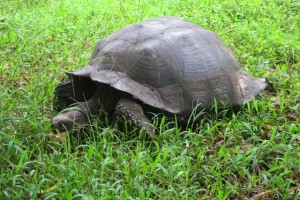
253, 152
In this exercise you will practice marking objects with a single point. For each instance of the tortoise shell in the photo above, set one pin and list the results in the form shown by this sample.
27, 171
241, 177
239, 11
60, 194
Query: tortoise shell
172, 65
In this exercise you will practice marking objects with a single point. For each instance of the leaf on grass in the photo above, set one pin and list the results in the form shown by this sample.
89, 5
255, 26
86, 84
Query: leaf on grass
60, 137
7, 65
26, 77
88, 44
262, 195
42, 192
291, 116
243, 197
53, 37
267, 127
244, 146
219, 144
276, 104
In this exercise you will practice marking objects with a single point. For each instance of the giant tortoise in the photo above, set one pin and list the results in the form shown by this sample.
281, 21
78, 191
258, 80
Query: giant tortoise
165, 65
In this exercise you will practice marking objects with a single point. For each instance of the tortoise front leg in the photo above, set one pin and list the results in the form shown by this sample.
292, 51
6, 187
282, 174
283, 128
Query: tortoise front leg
133, 112
76, 117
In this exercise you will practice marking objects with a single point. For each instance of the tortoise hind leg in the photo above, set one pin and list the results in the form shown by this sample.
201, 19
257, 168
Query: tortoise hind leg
133, 113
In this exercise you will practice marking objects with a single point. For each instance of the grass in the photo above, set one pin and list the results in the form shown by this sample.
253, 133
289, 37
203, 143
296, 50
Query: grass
253, 152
